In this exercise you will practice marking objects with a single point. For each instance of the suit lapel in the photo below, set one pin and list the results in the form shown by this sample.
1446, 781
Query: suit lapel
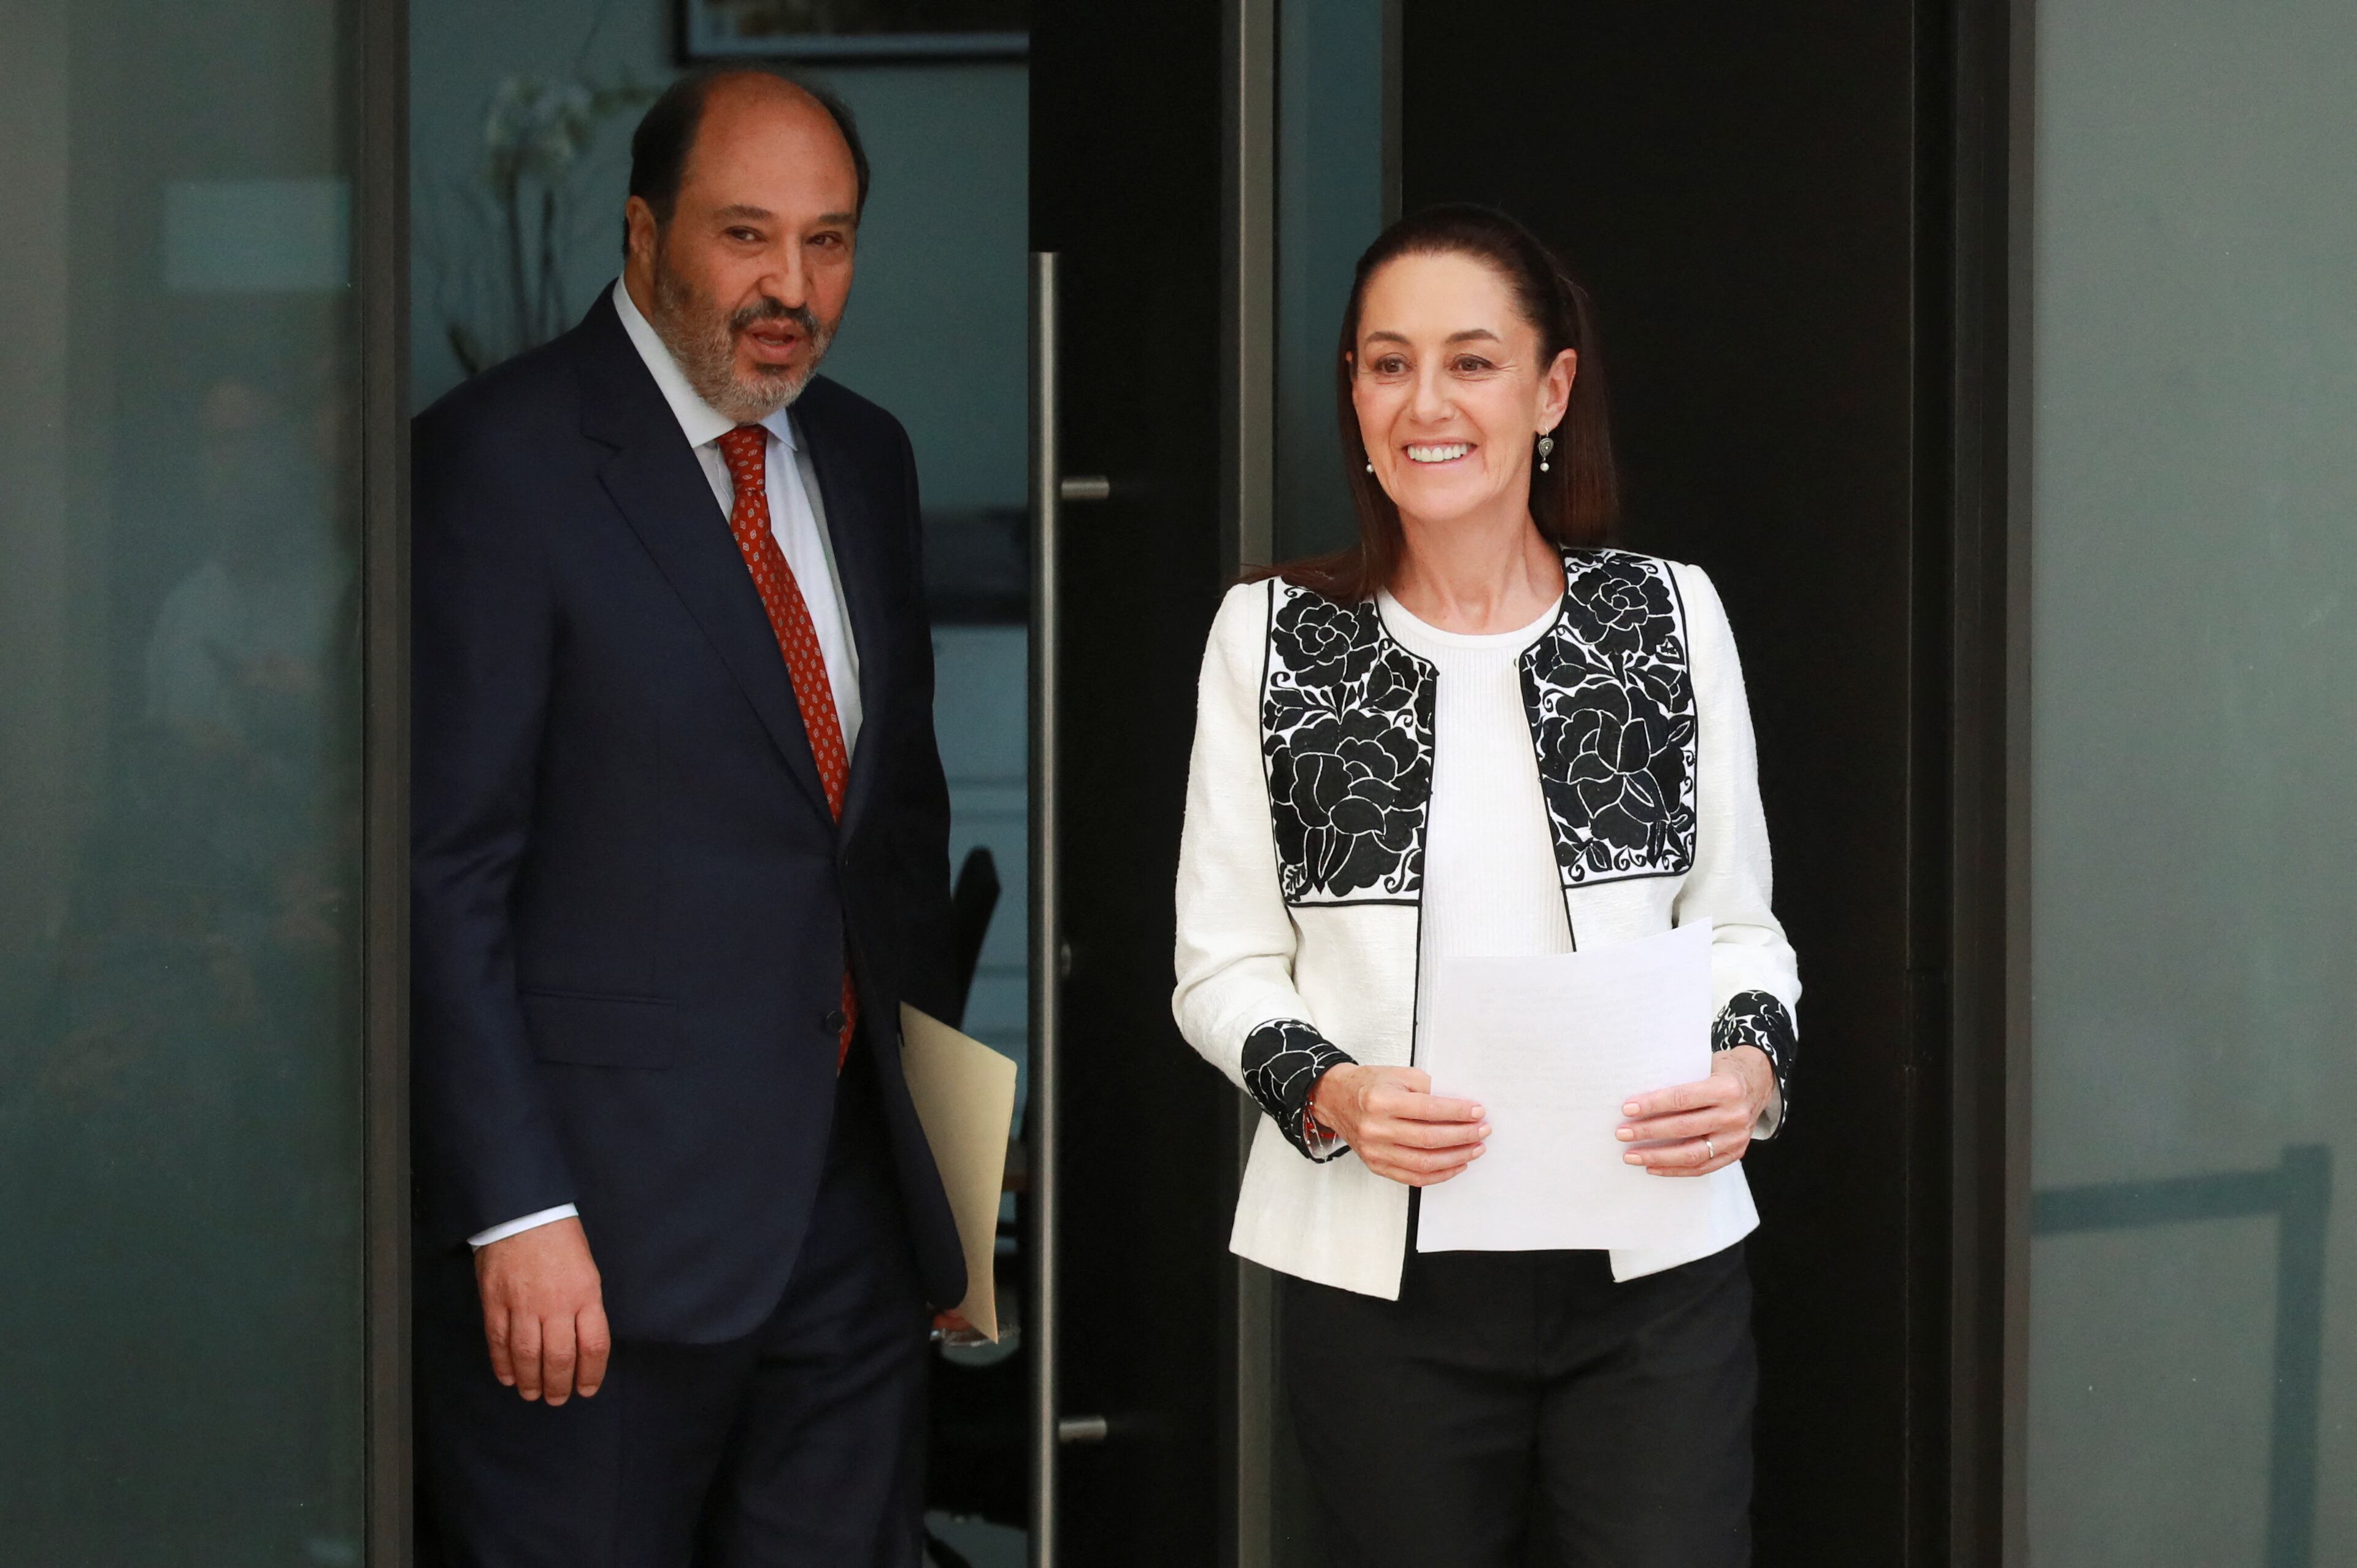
845, 498
659, 487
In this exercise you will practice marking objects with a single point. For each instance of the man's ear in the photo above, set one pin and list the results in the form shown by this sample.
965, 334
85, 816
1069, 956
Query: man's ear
639, 219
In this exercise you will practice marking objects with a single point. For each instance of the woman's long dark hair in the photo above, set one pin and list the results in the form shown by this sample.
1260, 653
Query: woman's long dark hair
1578, 500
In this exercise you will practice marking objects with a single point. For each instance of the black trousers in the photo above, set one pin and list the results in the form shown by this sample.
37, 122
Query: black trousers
798, 1446
1520, 1408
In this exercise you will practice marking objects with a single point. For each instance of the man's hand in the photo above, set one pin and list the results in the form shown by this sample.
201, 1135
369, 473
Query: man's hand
544, 1312
1396, 1125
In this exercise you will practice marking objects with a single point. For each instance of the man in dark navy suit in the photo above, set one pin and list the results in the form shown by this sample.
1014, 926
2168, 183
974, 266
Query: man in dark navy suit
680, 853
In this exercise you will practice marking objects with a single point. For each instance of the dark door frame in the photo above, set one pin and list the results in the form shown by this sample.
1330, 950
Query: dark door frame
1984, 295
378, 61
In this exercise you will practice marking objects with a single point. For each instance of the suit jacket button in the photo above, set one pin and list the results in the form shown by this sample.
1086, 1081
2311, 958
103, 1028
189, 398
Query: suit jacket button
833, 1023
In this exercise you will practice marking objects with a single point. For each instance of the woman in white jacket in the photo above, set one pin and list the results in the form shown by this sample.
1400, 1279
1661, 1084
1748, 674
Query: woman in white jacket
1479, 733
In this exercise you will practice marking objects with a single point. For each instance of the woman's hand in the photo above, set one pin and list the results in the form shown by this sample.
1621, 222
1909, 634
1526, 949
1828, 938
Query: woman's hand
1698, 1128
1396, 1125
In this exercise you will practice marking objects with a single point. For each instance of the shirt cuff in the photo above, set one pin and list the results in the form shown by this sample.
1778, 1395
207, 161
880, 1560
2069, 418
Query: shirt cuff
1283, 1060
518, 1227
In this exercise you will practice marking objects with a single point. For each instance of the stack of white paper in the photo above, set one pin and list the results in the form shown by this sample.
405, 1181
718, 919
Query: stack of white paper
1552, 1049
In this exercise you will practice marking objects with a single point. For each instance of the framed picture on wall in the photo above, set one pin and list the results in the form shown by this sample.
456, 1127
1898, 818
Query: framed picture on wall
853, 29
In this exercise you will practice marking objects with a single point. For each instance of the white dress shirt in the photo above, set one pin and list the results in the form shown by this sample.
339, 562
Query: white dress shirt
794, 519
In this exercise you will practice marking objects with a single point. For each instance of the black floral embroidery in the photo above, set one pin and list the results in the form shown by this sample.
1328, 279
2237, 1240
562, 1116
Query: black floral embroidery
1346, 736
1611, 703
1284, 1060
1760, 1018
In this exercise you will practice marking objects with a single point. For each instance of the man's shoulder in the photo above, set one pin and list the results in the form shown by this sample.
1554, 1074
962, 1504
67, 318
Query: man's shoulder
528, 395
847, 416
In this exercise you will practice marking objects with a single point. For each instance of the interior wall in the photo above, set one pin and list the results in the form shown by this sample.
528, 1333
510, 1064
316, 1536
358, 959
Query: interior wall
936, 328
1736, 184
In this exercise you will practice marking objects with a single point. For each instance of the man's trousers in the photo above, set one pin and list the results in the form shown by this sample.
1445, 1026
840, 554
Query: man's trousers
798, 1446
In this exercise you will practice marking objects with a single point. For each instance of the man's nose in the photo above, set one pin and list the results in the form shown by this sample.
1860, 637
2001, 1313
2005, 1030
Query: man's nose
787, 281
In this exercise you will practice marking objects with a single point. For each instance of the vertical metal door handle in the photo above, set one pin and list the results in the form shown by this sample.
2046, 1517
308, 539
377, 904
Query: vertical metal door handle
1047, 498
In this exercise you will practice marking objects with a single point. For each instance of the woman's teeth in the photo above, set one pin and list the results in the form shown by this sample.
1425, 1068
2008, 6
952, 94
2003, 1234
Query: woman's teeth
1448, 454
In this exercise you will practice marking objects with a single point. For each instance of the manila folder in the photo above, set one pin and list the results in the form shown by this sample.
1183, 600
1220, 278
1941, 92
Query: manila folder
965, 1098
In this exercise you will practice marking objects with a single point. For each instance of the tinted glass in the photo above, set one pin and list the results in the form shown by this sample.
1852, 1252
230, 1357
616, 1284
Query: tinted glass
179, 704
1329, 208
2193, 1340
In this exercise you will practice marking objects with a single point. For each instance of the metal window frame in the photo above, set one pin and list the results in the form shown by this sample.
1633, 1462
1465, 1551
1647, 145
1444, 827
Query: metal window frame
1988, 1007
1247, 530
1248, 281
1250, 35
381, 251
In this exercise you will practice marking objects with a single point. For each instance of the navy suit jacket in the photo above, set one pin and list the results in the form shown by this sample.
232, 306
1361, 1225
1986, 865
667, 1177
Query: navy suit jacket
631, 907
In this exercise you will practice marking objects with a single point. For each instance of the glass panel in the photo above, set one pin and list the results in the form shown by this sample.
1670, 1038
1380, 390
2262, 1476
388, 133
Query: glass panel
179, 705
1329, 182
2193, 1333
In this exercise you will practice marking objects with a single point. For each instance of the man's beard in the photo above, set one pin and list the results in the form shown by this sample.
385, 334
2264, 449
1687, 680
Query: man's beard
703, 339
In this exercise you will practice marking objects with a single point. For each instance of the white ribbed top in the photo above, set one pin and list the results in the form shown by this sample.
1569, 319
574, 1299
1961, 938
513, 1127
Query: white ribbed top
1491, 886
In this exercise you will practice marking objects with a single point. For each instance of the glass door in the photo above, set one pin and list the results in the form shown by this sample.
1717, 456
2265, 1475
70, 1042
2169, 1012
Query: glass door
183, 713
2192, 1332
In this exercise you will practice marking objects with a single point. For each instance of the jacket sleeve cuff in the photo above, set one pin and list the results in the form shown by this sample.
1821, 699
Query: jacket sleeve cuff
1758, 1019
1283, 1060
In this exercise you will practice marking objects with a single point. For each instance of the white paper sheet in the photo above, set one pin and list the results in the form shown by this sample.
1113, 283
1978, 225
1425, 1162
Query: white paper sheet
1553, 1047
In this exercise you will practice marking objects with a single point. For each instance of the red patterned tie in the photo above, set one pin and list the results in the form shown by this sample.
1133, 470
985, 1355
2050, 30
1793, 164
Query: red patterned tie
746, 450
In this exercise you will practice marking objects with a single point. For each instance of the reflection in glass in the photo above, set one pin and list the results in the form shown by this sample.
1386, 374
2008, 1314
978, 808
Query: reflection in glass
179, 704
2193, 1316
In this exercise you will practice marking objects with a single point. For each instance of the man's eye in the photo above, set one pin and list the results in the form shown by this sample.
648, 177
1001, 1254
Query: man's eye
744, 236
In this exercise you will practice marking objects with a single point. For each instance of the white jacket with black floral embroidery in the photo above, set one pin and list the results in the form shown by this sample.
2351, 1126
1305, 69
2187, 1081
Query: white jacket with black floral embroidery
1302, 865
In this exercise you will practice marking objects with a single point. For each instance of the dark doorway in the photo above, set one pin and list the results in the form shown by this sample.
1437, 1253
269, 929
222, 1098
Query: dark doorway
1737, 185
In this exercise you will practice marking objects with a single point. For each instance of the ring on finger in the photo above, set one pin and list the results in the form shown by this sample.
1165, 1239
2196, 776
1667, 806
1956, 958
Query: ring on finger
1712, 1147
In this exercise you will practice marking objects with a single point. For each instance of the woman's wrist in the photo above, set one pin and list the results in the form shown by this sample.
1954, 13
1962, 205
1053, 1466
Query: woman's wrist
1750, 1064
1325, 1095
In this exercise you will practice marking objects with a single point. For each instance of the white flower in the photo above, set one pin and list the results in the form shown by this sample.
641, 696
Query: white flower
510, 104
537, 127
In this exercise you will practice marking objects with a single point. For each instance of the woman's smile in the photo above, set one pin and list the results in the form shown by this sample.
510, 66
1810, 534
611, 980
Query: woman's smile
1440, 452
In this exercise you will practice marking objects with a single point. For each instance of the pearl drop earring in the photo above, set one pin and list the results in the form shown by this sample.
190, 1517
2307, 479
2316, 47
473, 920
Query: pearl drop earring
1547, 445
